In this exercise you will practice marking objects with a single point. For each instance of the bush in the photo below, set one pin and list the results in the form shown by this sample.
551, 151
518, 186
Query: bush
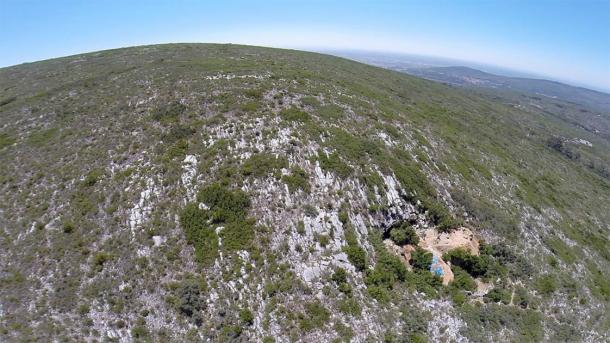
462, 280
68, 227
498, 295
297, 180
294, 115
546, 284
260, 165
339, 276
315, 316
246, 316
474, 265
421, 259
356, 256
100, 259
238, 235
404, 234
168, 113
194, 223
333, 163
350, 306
191, 299
225, 205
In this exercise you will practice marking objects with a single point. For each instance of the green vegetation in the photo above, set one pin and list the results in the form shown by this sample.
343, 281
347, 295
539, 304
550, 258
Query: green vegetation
298, 179
190, 301
546, 285
294, 115
225, 207
421, 259
84, 138
333, 163
403, 234
462, 280
355, 254
168, 113
246, 316
6, 140
315, 316
472, 264
261, 165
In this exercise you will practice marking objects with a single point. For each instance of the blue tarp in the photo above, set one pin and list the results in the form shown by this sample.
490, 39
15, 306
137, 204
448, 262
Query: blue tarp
435, 266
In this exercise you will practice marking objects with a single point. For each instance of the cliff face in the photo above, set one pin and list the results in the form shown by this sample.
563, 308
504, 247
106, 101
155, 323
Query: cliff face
232, 193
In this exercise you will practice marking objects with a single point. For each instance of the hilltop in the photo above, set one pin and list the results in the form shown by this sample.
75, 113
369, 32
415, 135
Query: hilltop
202, 192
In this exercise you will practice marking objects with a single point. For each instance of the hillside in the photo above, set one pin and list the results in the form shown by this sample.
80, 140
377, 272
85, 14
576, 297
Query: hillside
200, 192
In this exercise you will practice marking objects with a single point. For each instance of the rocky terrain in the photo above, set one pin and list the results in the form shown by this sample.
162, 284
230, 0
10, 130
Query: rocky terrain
199, 192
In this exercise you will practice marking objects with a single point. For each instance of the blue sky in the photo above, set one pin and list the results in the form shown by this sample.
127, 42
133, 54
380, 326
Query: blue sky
566, 40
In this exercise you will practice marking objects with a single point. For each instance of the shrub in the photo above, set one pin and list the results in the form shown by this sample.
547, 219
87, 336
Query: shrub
323, 240
100, 259
499, 295
194, 223
246, 316
421, 259
238, 235
294, 115
190, 299
92, 178
404, 234
546, 284
260, 165
297, 180
6, 140
333, 163
339, 276
315, 316
462, 280
350, 306
168, 113
356, 256
474, 265
310, 210
225, 205
69, 227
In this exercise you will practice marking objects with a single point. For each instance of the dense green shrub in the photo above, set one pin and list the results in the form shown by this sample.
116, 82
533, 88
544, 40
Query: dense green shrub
298, 179
339, 276
355, 254
350, 306
198, 233
546, 284
315, 316
421, 259
260, 165
462, 280
474, 265
169, 112
225, 205
333, 163
246, 316
6, 140
499, 295
100, 259
294, 115
190, 299
403, 234
238, 235
526, 324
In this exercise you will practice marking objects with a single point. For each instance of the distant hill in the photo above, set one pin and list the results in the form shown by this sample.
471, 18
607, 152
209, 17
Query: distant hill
465, 76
